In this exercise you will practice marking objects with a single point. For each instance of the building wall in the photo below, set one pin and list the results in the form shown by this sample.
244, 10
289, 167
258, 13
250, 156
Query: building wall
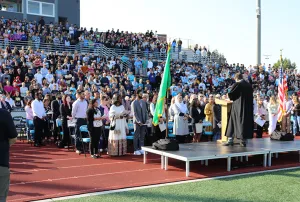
70, 9
48, 20
11, 15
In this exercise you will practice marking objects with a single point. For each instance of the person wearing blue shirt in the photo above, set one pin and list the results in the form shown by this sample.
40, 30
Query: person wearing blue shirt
135, 84
174, 92
138, 66
140, 84
152, 78
130, 77
58, 72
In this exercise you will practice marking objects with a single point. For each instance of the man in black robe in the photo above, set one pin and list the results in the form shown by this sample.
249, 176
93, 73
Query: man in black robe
241, 120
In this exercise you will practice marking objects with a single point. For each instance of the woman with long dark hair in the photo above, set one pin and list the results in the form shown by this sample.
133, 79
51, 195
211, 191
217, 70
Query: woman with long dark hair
195, 113
94, 125
66, 114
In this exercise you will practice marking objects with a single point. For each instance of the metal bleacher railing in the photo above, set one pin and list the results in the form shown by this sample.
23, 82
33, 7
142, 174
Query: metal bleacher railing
101, 50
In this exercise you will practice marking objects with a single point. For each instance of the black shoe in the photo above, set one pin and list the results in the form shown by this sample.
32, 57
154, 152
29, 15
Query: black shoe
228, 144
243, 144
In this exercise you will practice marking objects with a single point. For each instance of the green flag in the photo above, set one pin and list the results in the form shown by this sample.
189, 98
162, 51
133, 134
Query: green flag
164, 86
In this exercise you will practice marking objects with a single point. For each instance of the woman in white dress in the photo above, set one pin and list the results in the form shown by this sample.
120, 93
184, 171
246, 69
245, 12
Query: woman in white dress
181, 125
273, 114
117, 144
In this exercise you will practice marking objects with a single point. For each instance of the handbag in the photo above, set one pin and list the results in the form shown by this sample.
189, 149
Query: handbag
112, 124
166, 145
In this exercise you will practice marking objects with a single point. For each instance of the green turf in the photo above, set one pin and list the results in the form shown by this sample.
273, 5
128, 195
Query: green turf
283, 186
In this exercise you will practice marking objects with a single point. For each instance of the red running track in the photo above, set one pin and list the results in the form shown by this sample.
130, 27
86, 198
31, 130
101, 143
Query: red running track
49, 172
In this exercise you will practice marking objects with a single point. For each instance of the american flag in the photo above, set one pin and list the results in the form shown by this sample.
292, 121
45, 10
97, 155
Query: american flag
282, 93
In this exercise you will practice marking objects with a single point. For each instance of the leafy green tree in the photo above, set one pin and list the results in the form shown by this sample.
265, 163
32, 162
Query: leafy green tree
218, 57
286, 63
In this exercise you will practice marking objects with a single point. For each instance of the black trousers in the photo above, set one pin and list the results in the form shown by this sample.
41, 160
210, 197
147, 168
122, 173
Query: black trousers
259, 131
105, 138
181, 138
95, 134
157, 134
55, 129
39, 125
66, 131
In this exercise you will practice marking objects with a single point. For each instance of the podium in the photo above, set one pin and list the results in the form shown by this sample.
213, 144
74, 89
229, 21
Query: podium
225, 109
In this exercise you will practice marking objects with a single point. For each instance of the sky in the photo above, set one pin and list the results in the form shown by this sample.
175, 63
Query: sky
226, 25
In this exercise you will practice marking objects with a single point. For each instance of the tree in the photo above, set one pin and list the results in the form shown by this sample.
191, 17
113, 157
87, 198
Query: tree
286, 63
218, 57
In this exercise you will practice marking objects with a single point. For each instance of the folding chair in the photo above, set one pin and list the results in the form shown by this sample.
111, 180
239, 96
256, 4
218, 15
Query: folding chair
84, 129
170, 128
130, 136
20, 126
59, 126
31, 131
131, 131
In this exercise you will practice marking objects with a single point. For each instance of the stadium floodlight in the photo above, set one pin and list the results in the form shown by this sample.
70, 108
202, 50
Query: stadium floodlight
258, 18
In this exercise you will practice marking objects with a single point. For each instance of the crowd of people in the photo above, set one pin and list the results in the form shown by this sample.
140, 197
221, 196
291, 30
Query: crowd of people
63, 35
101, 91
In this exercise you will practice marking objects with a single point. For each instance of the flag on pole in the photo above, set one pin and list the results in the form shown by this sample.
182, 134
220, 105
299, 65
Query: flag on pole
282, 92
164, 86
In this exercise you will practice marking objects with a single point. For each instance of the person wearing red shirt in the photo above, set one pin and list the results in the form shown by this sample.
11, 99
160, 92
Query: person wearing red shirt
16, 88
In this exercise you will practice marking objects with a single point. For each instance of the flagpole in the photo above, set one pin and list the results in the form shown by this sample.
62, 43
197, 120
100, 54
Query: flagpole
167, 115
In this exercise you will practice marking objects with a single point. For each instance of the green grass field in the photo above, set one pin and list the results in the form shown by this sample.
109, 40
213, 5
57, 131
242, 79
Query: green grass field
283, 186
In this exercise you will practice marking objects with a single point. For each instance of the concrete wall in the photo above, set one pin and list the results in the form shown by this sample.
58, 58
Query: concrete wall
37, 18
11, 15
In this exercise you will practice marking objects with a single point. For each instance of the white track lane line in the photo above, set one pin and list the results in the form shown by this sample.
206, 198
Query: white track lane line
78, 166
83, 176
142, 187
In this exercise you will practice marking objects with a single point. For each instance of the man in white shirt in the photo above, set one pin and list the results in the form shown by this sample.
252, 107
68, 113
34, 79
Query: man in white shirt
286, 119
49, 76
44, 70
202, 85
39, 77
150, 64
39, 118
79, 114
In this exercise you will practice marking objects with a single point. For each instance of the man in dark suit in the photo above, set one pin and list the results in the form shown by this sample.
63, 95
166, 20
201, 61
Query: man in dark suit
8, 136
55, 104
140, 117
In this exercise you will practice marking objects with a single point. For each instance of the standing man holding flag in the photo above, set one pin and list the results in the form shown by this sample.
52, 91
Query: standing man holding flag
163, 92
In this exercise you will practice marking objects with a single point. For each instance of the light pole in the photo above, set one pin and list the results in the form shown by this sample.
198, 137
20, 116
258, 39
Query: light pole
258, 17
